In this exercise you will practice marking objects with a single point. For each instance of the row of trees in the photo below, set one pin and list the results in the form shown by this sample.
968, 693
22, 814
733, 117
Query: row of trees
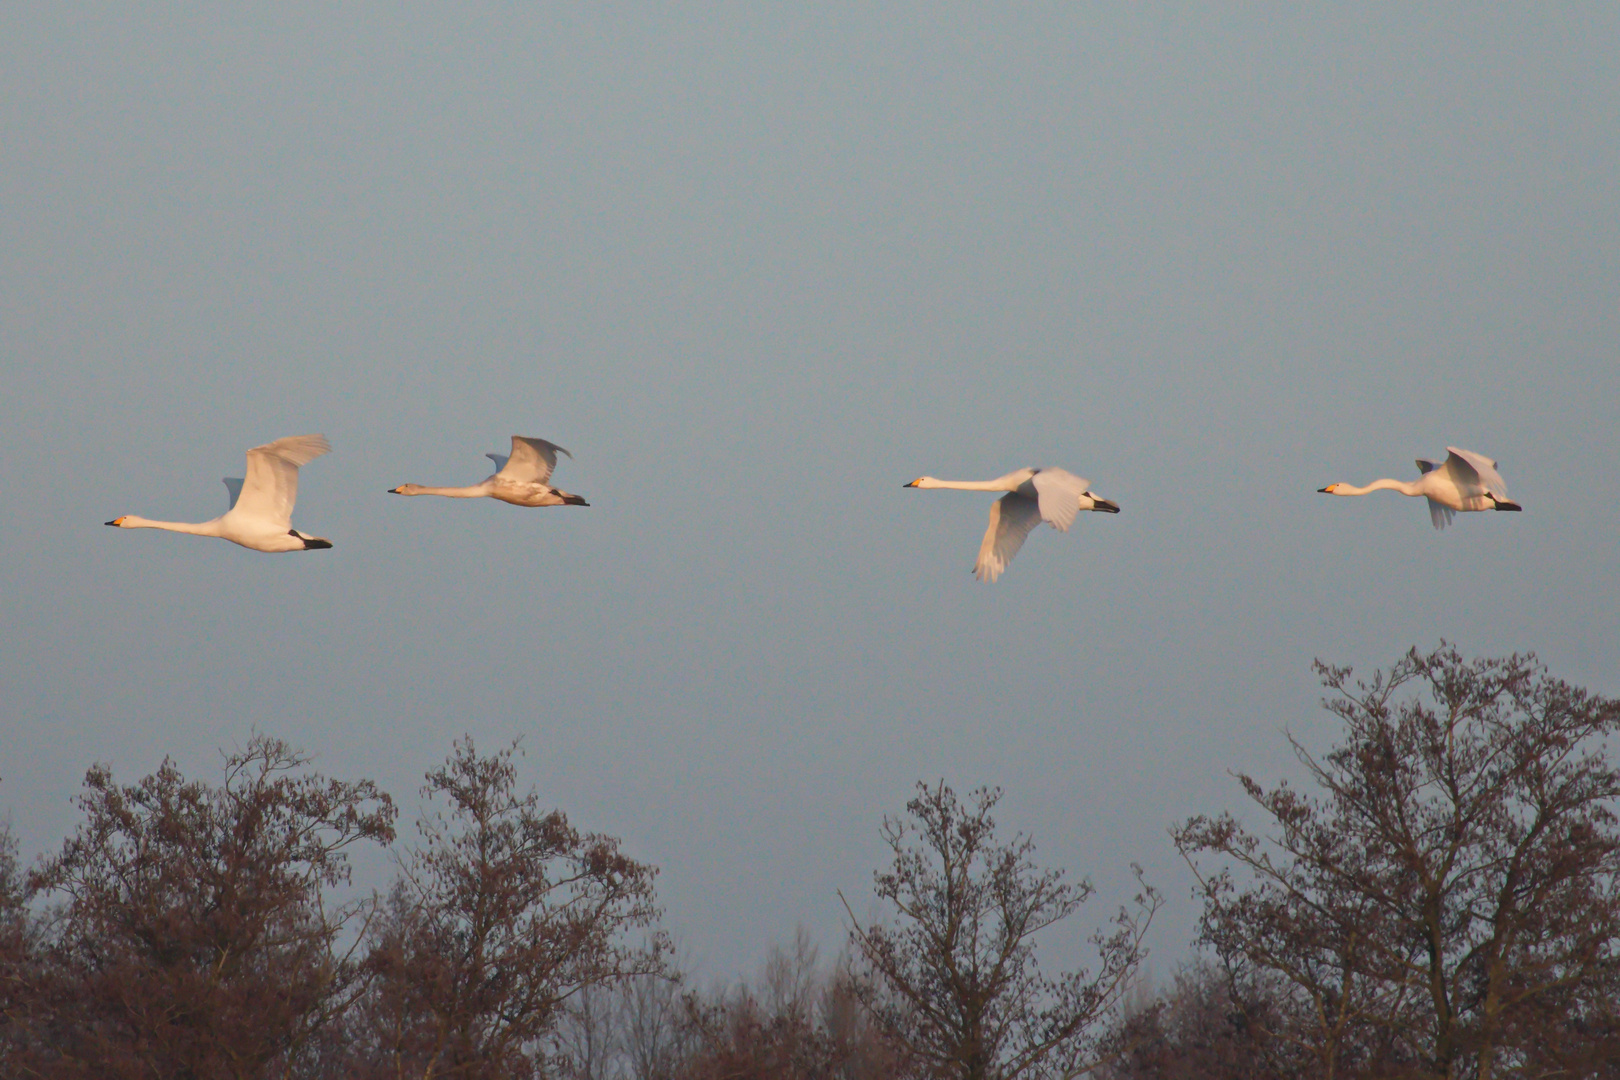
195, 933
1441, 900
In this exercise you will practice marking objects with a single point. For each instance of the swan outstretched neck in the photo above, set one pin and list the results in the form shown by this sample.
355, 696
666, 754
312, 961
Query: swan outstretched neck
1464, 482
1405, 487
476, 491
1011, 482
521, 479
1055, 496
260, 516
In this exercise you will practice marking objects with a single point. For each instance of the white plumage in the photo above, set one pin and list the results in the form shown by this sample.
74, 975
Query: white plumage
1055, 496
520, 479
1465, 481
260, 514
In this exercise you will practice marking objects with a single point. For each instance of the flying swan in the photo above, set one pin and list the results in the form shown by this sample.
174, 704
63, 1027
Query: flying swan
520, 479
1464, 481
1054, 496
260, 514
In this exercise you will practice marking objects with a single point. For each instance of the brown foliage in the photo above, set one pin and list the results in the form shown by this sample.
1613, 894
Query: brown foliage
1448, 905
505, 912
738, 1040
797, 1025
1206, 1027
954, 981
19, 969
194, 940
1443, 902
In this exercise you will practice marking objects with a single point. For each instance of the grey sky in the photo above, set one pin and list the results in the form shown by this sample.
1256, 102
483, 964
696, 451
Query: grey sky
758, 266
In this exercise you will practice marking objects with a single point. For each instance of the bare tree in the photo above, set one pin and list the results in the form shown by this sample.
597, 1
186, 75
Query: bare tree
653, 1039
194, 940
866, 1051
505, 913
1204, 1027
587, 1036
1448, 905
19, 963
797, 1022
955, 979
791, 981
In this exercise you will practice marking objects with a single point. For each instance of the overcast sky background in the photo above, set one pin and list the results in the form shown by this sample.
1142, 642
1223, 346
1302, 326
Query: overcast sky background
757, 267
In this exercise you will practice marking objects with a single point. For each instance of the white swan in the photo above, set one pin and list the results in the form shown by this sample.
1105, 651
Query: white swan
1464, 481
521, 479
1033, 495
260, 515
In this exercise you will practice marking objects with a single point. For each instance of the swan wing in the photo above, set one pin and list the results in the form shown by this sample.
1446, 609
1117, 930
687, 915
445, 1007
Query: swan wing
499, 460
1441, 514
1011, 518
233, 485
1470, 467
271, 485
1426, 466
532, 460
1059, 492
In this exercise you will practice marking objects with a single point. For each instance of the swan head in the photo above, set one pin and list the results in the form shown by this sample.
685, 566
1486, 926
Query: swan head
921, 481
1331, 489
117, 522
405, 489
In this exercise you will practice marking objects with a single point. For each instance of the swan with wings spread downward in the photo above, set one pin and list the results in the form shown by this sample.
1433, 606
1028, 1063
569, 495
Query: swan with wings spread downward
1055, 496
1464, 481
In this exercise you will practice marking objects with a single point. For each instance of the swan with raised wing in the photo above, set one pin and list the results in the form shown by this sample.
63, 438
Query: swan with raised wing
1465, 481
520, 479
260, 514
1054, 496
